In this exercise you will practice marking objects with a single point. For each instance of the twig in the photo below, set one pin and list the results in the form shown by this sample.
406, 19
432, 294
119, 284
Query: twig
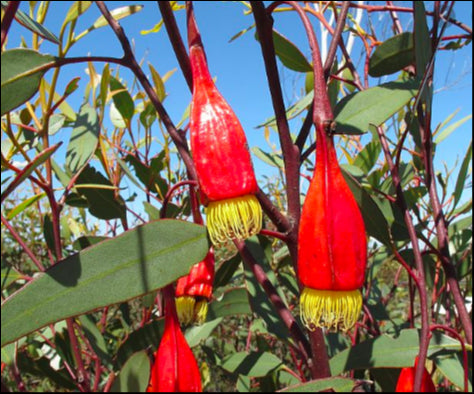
7, 20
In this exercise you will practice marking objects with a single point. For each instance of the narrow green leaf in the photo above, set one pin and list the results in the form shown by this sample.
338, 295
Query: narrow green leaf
84, 138
134, 376
254, 364
158, 82
259, 301
367, 157
445, 133
376, 224
452, 368
226, 271
132, 264
392, 55
356, 112
195, 335
147, 337
9, 275
339, 385
289, 54
388, 352
270, 158
293, 110
32, 25
28, 170
234, 302
117, 13
24, 205
22, 70
463, 171
103, 203
122, 100
77, 9
96, 339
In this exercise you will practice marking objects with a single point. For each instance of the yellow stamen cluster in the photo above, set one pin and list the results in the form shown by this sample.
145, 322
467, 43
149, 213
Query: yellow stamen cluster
191, 311
239, 218
331, 309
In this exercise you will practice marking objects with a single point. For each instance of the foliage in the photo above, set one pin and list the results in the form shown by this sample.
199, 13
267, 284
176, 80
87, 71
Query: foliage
81, 264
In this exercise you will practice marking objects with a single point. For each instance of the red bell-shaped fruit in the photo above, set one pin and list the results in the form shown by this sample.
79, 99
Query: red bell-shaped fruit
332, 246
220, 152
175, 368
194, 290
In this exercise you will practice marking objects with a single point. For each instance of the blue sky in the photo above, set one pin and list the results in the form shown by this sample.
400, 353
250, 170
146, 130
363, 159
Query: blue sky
239, 68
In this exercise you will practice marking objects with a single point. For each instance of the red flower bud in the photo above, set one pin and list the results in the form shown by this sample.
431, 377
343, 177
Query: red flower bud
175, 368
194, 290
332, 246
406, 381
220, 152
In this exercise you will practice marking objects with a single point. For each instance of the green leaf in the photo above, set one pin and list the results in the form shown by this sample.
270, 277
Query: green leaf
339, 385
22, 70
32, 25
356, 112
24, 205
117, 13
253, 364
392, 55
28, 170
158, 82
388, 352
234, 302
9, 275
134, 376
102, 201
289, 54
195, 335
132, 264
77, 9
226, 271
422, 50
450, 129
270, 158
122, 100
463, 171
84, 138
259, 300
452, 368
367, 157
293, 111
96, 339
147, 337
375, 222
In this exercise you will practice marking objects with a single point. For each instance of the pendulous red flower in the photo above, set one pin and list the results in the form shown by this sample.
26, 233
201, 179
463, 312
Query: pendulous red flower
220, 152
175, 368
194, 290
332, 246
406, 381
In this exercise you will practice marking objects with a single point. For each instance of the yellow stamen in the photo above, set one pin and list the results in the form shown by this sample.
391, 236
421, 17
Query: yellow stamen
331, 309
239, 217
185, 309
200, 311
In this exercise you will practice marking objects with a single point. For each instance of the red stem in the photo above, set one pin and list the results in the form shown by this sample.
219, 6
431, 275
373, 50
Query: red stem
7, 20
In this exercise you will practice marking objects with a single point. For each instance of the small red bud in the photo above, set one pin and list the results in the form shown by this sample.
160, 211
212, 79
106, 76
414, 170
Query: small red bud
406, 380
194, 290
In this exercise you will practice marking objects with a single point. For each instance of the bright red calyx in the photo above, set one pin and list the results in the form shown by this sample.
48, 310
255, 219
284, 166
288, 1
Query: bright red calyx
332, 252
175, 368
218, 142
406, 381
332, 246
